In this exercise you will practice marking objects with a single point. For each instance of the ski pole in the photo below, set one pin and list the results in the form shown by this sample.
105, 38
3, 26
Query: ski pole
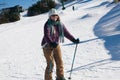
73, 62
51, 65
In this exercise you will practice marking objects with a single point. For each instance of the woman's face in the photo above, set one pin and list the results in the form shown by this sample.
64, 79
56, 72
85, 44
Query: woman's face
54, 17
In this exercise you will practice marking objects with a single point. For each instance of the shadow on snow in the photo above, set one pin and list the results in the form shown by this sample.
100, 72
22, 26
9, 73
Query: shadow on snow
102, 4
93, 64
108, 29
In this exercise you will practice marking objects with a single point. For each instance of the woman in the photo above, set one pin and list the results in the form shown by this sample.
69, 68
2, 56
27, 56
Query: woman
54, 32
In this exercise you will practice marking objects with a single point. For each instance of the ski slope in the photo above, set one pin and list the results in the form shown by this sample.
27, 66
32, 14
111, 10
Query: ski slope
95, 22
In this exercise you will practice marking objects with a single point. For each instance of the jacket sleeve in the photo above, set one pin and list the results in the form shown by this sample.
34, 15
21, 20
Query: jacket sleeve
47, 34
67, 34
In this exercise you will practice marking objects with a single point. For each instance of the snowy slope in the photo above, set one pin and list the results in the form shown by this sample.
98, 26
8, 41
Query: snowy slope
95, 22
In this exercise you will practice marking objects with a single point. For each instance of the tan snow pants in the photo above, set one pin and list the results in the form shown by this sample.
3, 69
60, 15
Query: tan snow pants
53, 55
116, 1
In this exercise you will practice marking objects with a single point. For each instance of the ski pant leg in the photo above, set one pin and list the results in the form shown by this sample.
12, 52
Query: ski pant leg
48, 53
59, 63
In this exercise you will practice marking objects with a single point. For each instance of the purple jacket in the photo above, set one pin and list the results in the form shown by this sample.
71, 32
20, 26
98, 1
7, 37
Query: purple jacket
55, 38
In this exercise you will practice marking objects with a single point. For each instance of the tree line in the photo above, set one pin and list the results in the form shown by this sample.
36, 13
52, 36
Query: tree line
12, 14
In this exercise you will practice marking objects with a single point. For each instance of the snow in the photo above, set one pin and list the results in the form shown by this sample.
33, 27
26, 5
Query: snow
95, 22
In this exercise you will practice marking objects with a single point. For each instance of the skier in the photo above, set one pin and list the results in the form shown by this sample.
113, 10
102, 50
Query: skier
54, 32
73, 8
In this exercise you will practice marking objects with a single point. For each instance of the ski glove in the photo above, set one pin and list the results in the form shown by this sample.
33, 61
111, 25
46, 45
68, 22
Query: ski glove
53, 44
76, 41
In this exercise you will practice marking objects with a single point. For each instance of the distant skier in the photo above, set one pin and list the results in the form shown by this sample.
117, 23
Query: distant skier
54, 32
73, 8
